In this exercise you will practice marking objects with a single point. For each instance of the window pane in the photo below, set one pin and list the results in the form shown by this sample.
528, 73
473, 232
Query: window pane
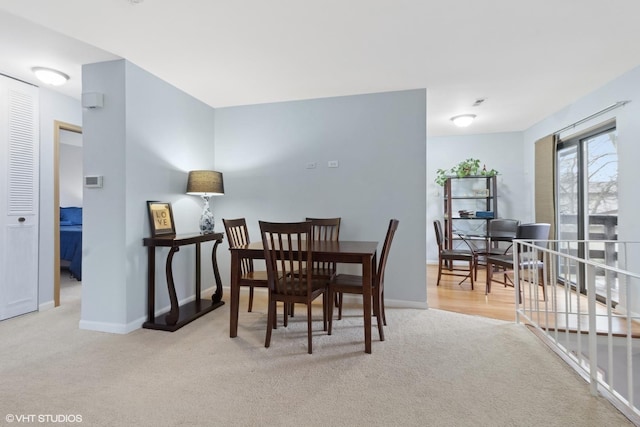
602, 202
568, 202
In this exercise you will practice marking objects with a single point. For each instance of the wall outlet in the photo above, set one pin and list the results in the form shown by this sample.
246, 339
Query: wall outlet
332, 164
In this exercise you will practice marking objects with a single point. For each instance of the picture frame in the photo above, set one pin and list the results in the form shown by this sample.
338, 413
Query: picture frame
161, 219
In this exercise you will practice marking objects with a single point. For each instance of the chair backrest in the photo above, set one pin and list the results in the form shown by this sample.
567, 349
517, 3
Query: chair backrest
391, 231
503, 230
238, 235
286, 251
534, 231
327, 229
437, 225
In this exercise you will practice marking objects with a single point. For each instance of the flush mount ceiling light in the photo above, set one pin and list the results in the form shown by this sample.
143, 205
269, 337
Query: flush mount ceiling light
463, 120
50, 76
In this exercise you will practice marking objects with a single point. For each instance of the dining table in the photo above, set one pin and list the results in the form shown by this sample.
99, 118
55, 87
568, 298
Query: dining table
342, 251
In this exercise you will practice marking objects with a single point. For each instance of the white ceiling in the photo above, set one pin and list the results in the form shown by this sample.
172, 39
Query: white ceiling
528, 59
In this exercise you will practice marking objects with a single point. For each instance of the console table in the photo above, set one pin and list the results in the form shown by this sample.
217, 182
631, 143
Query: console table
179, 316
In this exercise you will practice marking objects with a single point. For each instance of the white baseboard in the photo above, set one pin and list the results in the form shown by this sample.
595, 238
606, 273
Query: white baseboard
113, 328
46, 306
125, 328
357, 299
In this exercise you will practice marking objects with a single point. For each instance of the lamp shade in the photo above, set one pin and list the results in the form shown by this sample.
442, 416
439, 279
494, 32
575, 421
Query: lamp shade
207, 183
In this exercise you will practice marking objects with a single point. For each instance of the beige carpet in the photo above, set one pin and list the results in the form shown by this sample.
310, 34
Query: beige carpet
436, 368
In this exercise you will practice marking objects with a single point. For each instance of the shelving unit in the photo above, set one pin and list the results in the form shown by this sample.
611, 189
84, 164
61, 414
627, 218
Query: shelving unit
471, 193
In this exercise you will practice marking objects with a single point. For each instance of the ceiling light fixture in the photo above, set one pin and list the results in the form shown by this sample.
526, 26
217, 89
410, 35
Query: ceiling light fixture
50, 76
463, 120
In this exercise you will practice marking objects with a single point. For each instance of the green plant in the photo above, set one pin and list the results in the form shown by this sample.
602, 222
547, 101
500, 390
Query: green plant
464, 168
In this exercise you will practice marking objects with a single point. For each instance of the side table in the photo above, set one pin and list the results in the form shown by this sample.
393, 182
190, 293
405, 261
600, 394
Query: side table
179, 316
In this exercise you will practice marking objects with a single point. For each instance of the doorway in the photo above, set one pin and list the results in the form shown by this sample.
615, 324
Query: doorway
63, 133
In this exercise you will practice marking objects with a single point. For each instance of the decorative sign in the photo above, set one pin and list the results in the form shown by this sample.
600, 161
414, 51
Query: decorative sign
161, 219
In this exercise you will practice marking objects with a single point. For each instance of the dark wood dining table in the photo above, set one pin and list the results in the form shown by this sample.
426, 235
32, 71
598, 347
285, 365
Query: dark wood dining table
344, 251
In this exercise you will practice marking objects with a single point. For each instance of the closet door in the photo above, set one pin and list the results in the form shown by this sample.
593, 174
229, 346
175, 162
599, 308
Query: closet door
19, 155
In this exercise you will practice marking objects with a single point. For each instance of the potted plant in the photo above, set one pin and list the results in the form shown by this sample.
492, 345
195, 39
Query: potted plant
467, 167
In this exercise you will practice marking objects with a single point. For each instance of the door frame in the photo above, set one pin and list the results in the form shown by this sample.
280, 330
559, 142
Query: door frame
57, 127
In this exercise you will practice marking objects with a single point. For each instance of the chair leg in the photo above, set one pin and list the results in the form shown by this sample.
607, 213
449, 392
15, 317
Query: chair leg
384, 315
487, 287
326, 302
378, 313
340, 307
250, 299
287, 309
270, 321
471, 267
309, 327
330, 311
439, 271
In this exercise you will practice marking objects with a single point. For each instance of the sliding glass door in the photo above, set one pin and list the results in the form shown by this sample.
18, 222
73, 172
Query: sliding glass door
587, 192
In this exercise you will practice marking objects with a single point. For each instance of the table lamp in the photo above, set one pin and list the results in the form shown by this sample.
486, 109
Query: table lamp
205, 184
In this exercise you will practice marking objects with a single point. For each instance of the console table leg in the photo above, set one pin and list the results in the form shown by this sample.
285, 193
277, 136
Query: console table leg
172, 317
217, 296
151, 284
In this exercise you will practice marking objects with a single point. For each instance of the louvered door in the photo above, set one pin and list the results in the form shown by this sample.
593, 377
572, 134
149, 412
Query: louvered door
19, 155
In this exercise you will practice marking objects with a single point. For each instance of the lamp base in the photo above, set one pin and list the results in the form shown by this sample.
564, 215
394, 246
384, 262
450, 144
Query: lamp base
206, 219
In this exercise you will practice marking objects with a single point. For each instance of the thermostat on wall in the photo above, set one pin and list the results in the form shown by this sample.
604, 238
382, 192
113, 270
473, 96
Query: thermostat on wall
93, 181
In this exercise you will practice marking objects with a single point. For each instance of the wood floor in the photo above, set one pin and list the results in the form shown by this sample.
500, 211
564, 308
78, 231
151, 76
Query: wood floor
452, 295
458, 297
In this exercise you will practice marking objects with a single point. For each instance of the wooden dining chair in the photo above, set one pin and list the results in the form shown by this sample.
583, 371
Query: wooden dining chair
324, 229
353, 284
327, 229
238, 235
286, 252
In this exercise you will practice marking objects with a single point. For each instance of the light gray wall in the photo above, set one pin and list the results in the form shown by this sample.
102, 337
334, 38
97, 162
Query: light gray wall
144, 141
53, 106
379, 143
501, 151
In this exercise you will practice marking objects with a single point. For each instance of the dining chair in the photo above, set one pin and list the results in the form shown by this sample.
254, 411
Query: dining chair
501, 231
238, 235
499, 239
324, 229
286, 252
450, 256
528, 260
353, 284
327, 229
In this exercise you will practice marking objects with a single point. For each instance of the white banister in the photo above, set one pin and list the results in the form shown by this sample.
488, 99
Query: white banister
585, 328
